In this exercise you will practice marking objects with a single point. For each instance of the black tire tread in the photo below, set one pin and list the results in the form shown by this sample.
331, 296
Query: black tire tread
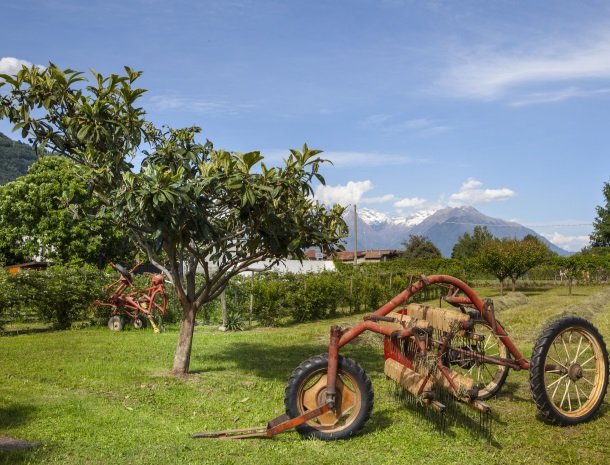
345, 364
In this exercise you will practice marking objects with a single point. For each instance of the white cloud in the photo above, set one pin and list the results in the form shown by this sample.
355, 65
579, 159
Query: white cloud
410, 202
173, 102
377, 200
389, 125
11, 65
350, 159
558, 96
350, 193
489, 75
375, 120
471, 194
353, 159
569, 243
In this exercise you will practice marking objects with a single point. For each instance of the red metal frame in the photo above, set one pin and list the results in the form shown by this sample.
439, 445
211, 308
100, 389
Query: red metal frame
471, 299
126, 298
423, 343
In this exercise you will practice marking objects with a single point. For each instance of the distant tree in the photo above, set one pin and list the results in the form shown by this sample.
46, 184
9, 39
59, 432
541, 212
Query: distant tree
512, 258
600, 237
469, 246
420, 247
600, 251
191, 208
572, 267
35, 219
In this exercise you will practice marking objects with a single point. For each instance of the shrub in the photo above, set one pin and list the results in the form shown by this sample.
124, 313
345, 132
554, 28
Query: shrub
59, 294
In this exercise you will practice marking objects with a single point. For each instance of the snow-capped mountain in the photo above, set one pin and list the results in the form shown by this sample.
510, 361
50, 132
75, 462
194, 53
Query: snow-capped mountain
443, 227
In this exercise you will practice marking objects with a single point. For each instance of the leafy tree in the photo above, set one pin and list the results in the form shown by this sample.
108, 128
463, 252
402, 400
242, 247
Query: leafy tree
512, 258
600, 237
420, 247
35, 219
468, 246
191, 207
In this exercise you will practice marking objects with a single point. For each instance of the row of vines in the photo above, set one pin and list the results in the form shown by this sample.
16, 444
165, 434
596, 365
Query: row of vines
62, 295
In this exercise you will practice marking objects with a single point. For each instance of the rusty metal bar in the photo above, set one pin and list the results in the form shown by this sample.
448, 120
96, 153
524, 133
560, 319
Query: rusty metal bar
275, 426
333, 361
485, 358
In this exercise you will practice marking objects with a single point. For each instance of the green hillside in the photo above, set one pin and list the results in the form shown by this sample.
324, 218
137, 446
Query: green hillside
15, 159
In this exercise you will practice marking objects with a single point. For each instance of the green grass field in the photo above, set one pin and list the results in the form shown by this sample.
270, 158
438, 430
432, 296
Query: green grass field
95, 397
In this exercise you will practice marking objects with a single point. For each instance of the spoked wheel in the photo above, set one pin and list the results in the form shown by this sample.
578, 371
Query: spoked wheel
116, 323
569, 371
139, 322
306, 391
488, 378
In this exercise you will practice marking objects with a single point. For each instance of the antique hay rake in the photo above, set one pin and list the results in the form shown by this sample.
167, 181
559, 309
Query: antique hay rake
139, 305
464, 353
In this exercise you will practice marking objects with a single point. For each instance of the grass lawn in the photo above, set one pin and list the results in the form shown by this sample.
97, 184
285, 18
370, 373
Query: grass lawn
92, 396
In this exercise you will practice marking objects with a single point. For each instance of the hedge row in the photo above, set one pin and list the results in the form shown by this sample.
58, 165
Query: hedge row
62, 295
59, 295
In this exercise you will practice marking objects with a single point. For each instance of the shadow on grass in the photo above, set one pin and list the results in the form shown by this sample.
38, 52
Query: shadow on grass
456, 415
22, 456
601, 414
14, 415
274, 362
16, 451
19, 332
509, 392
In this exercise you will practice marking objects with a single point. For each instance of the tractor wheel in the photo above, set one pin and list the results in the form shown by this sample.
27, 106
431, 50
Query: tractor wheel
306, 390
116, 323
139, 322
488, 377
569, 371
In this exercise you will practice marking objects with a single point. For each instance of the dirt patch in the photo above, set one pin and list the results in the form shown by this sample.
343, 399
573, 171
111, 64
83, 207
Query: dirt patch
7, 443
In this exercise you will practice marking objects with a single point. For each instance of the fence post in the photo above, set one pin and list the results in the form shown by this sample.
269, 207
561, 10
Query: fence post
223, 306
251, 301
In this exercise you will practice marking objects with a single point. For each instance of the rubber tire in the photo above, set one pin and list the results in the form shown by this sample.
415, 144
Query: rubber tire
346, 368
139, 322
490, 391
547, 409
116, 323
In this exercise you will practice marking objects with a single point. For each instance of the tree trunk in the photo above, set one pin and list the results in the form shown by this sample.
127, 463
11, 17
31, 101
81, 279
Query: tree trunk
501, 287
514, 281
182, 359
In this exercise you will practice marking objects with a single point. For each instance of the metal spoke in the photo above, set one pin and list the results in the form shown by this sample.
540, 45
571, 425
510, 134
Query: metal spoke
578, 396
556, 381
489, 371
588, 360
589, 346
564, 395
577, 350
558, 363
583, 392
556, 387
563, 341
558, 356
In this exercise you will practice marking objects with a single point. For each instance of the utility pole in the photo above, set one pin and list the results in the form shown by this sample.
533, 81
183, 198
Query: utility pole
355, 236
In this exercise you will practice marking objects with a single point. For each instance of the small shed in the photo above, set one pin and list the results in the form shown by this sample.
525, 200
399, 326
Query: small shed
14, 269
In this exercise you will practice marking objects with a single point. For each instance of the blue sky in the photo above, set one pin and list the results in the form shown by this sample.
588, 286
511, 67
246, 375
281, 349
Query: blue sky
503, 105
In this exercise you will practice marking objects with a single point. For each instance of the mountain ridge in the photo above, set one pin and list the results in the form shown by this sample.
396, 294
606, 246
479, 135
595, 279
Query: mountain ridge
443, 227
